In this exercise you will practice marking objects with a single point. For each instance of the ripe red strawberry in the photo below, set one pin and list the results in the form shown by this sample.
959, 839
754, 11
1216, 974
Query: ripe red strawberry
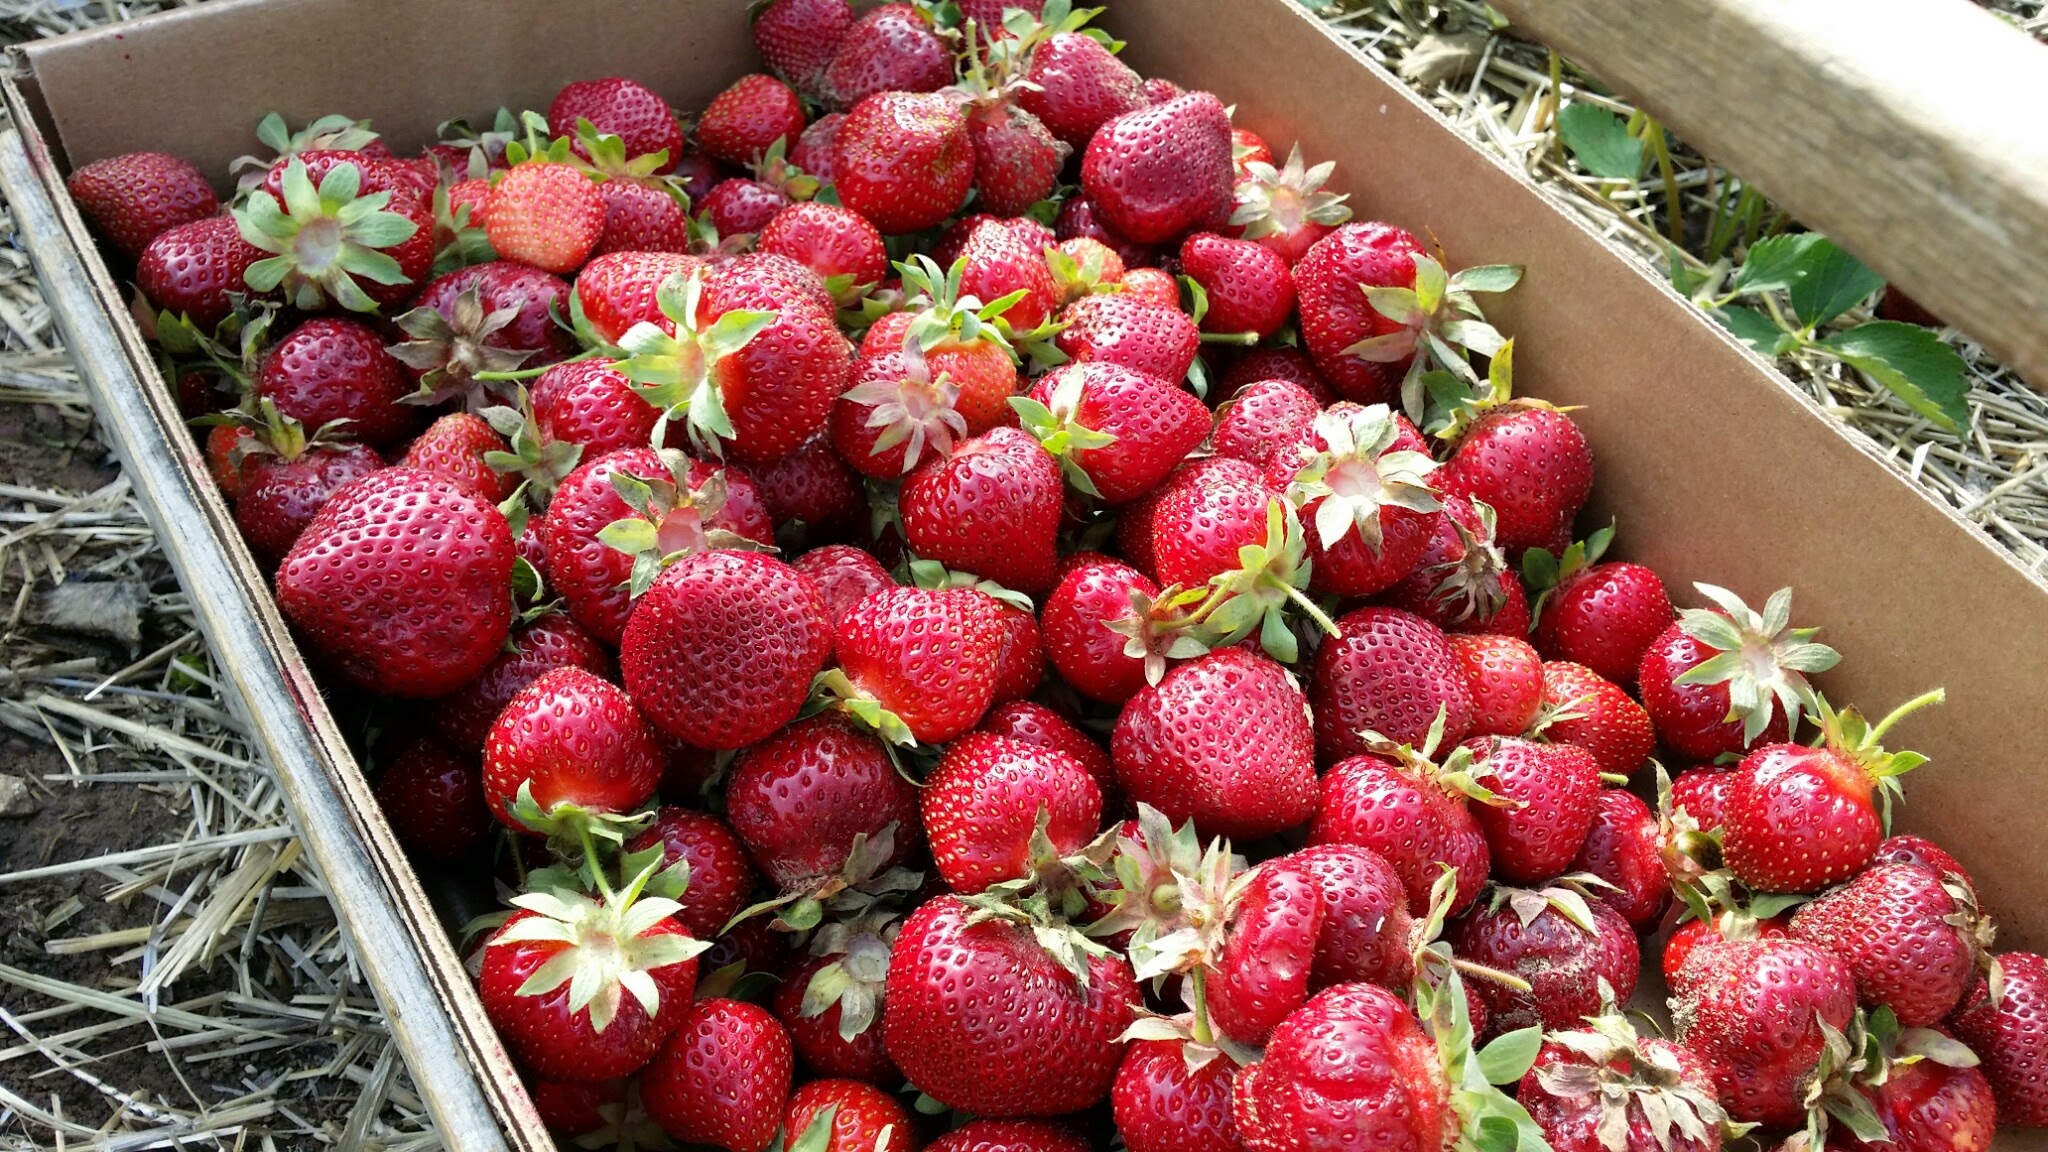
433, 798
1336, 314
1694, 934
1525, 459
813, 493
991, 508
898, 415
1162, 1103
1413, 812
1706, 689
402, 584
945, 328
1265, 419
1116, 431
1078, 219
331, 369
1077, 85
573, 1110
543, 214
495, 317
338, 228
1505, 677
863, 1117
278, 494
1003, 257
1754, 1009
820, 1039
1223, 740
798, 38
1020, 659
1161, 171
552, 641
2008, 1035
1285, 209
1273, 363
568, 745
641, 217
1931, 1098
1247, 284
904, 161
1553, 790
720, 878
1601, 615
1366, 929
1017, 160
892, 48
720, 651
587, 989
972, 1007
722, 1078
982, 804
590, 403
1010, 1136
1595, 714
454, 446
133, 198
920, 663
190, 269
1912, 939
1034, 723
799, 798
1801, 818
749, 117
616, 290
1118, 329
1262, 976
1925, 853
844, 576
1561, 943
1622, 849
1388, 672
812, 152
829, 240
1092, 620
1367, 490
634, 113
742, 208
1606, 1089
1205, 512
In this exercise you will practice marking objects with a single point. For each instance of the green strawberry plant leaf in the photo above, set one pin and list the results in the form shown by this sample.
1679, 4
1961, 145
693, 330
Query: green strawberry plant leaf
1756, 329
1508, 1056
1834, 282
1777, 262
1599, 140
1912, 363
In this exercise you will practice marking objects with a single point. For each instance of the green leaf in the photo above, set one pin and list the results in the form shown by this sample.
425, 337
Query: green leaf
1686, 279
1910, 361
1778, 262
1486, 278
1755, 329
1509, 1056
1835, 283
629, 536
1599, 140
1768, 905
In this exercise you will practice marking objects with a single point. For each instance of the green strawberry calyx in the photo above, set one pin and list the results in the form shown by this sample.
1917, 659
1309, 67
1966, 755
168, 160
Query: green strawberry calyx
1620, 1073
1763, 662
333, 132
459, 240
1282, 201
1270, 580
835, 689
1174, 895
854, 977
1161, 628
451, 351
541, 463
1058, 427
323, 240
1046, 910
947, 314
1439, 324
931, 574
1856, 1062
1847, 734
1543, 571
676, 367
670, 520
1490, 1120
866, 883
1462, 772
572, 826
1358, 472
918, 410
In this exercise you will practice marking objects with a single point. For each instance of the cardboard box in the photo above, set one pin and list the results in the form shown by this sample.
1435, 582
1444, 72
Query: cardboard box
1716, 468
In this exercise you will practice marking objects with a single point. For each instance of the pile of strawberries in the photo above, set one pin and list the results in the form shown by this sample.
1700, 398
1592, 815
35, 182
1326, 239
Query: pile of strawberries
964, 602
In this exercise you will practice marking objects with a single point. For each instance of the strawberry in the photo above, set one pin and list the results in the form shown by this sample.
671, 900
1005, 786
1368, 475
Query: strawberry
492, 317
1098, 613
641, 216
1925, 1093
1581, 708
544, 214
1552, 791
859, 1117
1079, 220
1077, 85
813, 494
1285, 209
133, 198
1705, 687
1222, 740
1561, 944
844, 576
1800, 818
1621, 848
798, 38
585, 988
549, 642
1009, 1136
1411, 810
279, 493
331, 369
1020, 659
1694, 934
1606, 1089
892, 48
1367, 490
1154, 286
988, 800
1161, 171
1017, 160
1336, 316
1118, 329
904, 161
591, 404
919, 664
742, 208
402, 584
2007, 1033
1600, 615
1262, 976
1205, 512
949, 328
617, 290
433, 798
829, 240
1263, 420
821, 1038
1247, 285
1167, 1098
991, 508
744, 121
1505, 678
1247, 147
454, 446
800, 798
898, 415
1912, 939
573, 1110
634, 113
567, 747
722, 1078
718, 876
1756, 1011
326, 242
812, 151
1116, 431
1925, 853
1275, 363
973, 1004
1524, 458
1035, 723
1001, 258
1390, 672
720, 651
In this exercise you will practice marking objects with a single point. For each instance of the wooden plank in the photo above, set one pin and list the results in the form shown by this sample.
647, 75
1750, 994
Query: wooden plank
1913, 132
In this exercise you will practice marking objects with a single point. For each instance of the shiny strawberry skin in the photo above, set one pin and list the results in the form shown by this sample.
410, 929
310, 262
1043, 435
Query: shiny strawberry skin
1505, 676
864, 1118
1002, 258
1263, 974
1563, 963
1621, 848
133, 198
1016, 159
1753, 1010
547, 215
1557, 785
1352, 1069
560, 1045
1160, 1106
904, 161
640, 218
617, 289
1614, 728
2011, 1037
928, 655
780, 387
433, 798
1265, 419
1248, 285
1118, 329
1799, 819
550, 642
1352, 568
1010, 1136
634, 113
1223, 740
744, 121
190, 269
813, 490
742, 207
572, 739
589, 402
721, 876
892, 48
1388, 672
1155, 424
1273, 363
1692, 719
798, 799
1366, 929
1532, 465
1703, 793
1454, 610
845, 576
454, 446
817, 1040
1414, 824
981, 804
278, 498
402, 584
798, 38
993, 508
1075, 620
1034, 723
1020, 658
1205, 512
829, 240
1335, 313
720, 652
1893, 925
722, 1078
1161, 171
1907, 849
971, 1009
333, 369
1604, 618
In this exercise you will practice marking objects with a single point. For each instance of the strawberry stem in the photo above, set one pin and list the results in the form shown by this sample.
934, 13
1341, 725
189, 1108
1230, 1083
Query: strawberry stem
1316, 614
591, 860
1935, 696
1240, 339
530, 373
1473, 968
1202, 1032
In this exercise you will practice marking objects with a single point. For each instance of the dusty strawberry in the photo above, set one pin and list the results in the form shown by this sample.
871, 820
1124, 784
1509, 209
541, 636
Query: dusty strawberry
1621, 848
1169, 1098
1262, 976
1756, 1010
433, 798
492, 317
1035, 723
1606, 1089
1118, 329
1389, 672
1247, 285
1285, 209
331, 369
862, 1118
717, 877
983, 804
569, 747
617, 290
2008, 1035
1158, 172
1411, 810
844, 576
829, 240
552, 641
812, 151
1368, 492
543, 214
1552, 791
919, 664
1581, 708
752, 115
1505, 677
1524, 458
1912, 939
1116, 431
454, 446
892, 48
1563, 945
634, 113
133, 198
798, 38
1694, 934
722, 1078
720, 651
1017, 160
1077, 85
402, 584
1600, 615
991, 508
1010, 1136
739, 208
904, 161
335, 237
800, 798
1336, 315
1265, 419
1721, 680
